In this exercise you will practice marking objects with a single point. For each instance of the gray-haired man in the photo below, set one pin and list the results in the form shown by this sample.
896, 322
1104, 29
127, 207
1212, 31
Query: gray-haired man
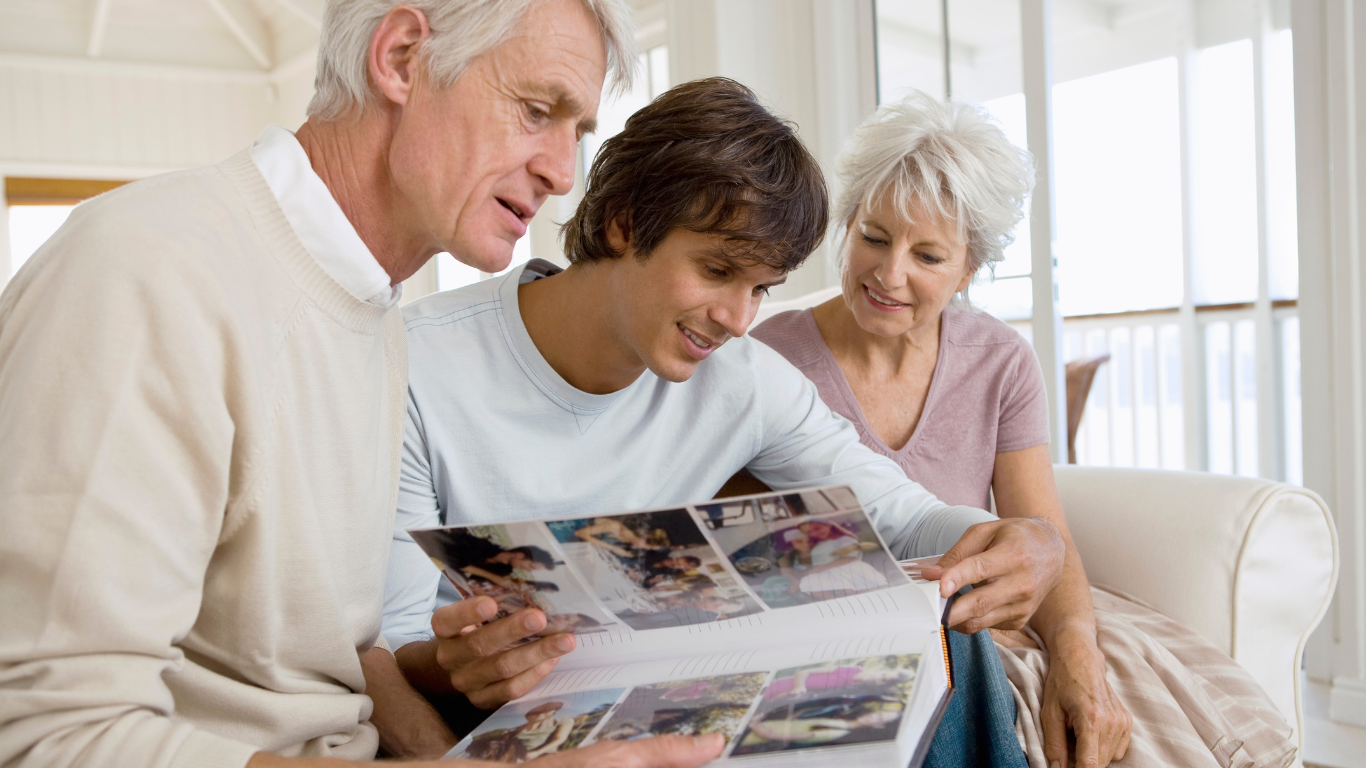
202, 389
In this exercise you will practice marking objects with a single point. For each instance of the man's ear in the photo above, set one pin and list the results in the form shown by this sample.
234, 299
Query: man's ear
394, 50
619, 235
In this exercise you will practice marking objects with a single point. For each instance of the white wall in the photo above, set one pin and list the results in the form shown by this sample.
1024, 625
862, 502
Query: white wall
1330, 126
811, 61
78, 118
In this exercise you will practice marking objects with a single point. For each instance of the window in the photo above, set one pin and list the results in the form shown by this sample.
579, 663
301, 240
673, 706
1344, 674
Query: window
1174, 192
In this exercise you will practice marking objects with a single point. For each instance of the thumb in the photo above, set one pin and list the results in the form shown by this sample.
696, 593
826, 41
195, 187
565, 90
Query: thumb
974, 541
450, 620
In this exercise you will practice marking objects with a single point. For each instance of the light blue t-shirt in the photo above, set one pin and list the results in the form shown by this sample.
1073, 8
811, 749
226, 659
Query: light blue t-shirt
495, 435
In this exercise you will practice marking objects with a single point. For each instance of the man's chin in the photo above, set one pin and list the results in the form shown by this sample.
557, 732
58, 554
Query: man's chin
675, 371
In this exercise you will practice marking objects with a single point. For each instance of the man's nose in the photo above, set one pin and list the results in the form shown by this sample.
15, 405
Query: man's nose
735, 312
554, 164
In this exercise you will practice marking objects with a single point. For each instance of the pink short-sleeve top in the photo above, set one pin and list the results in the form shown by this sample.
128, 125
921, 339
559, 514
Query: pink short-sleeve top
986, 397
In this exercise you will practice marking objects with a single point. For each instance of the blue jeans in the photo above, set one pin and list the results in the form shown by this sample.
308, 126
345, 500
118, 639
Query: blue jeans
978, 728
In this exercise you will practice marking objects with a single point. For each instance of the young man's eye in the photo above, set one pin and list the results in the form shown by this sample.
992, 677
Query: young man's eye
761, 290
716, 271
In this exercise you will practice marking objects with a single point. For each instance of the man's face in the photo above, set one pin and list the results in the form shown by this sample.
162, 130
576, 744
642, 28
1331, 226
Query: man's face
684, 301
476, 160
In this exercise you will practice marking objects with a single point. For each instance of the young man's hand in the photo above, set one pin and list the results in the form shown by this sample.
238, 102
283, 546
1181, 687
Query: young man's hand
482, 660
1013, 563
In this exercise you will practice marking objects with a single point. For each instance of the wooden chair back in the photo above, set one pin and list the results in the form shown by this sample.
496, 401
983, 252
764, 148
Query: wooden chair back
1080, 374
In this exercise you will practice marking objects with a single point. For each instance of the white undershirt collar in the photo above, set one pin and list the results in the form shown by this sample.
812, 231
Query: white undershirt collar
319, 222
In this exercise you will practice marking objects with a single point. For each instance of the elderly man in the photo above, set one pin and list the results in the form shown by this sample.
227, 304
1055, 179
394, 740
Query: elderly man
202, 384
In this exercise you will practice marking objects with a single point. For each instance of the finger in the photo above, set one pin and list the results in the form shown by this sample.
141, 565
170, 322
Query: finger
451, 620
1123, 748
502, 691
510, 663
975, 569
452, 652
1088, 745
673, 751
974, 540
1054, 724
994, 606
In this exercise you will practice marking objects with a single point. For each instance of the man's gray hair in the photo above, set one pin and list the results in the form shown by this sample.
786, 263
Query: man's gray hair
461, 30
949, 157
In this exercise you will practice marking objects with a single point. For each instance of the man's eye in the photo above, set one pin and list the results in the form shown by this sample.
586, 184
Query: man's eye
537, 113
716, 271
761, 290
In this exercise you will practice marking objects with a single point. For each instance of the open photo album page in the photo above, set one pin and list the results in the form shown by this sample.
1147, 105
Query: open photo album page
671, 567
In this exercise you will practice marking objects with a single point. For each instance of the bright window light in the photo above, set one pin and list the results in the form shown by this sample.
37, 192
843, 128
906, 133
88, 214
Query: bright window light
1223, 176
1117, 154
1282, 233
29, 227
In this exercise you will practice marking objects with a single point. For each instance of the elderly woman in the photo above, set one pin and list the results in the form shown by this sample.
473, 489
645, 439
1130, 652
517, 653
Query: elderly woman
931, 194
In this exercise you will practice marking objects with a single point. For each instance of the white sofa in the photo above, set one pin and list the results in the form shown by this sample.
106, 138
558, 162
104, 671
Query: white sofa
1248, 564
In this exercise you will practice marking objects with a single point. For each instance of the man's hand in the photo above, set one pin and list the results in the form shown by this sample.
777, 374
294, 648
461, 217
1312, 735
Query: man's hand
483, 662
658, 752
1076, 695
1014, 564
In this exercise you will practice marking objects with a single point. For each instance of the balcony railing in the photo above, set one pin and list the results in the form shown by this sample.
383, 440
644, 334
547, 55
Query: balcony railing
1144, 411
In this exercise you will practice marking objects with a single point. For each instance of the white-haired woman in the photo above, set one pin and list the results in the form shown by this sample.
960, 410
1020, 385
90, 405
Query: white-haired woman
932, 192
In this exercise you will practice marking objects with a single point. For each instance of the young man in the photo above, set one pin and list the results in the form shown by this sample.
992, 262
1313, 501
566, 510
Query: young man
625, 381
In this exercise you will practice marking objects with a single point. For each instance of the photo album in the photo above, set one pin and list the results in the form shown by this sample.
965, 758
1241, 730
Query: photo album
780, 621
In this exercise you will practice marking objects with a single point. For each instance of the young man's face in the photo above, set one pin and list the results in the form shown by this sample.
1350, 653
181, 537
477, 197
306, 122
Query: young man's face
686, 299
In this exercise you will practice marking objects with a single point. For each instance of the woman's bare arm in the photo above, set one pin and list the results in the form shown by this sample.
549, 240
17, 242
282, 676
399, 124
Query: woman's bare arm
1076, 694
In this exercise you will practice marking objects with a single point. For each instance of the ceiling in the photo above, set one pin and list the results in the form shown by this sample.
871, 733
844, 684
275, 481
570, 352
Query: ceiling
252, 35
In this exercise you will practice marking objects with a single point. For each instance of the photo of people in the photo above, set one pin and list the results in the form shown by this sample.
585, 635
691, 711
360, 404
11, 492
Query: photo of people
689, 707
853, 701
526, 730
653, 569
516, 565
803, 555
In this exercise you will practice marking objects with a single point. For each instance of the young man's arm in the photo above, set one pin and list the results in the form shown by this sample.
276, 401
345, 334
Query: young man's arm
805, 443
454, 649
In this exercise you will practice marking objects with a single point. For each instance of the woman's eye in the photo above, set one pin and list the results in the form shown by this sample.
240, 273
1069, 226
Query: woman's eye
869, 239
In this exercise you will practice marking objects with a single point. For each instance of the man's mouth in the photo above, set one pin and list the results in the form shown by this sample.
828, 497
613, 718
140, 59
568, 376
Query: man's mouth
516, 210
698, 339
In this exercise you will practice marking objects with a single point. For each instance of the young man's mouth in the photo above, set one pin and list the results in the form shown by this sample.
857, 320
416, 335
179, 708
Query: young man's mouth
698, 346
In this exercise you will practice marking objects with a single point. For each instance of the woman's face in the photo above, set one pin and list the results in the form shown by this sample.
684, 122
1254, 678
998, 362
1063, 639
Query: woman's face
899, 275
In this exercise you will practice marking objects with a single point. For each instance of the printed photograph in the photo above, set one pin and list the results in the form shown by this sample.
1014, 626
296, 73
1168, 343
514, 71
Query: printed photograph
690, 707
653, 569
803, 556
853, 701
515, 564
526, 730
913, 568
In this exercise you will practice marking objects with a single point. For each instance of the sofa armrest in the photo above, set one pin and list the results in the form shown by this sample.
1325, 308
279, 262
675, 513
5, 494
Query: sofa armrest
1248, 564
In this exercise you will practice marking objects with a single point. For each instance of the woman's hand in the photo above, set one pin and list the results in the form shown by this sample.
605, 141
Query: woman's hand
1014, 563
1076, 695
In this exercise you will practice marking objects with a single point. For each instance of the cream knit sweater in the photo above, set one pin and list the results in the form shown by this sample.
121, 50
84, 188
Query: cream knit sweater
199, 435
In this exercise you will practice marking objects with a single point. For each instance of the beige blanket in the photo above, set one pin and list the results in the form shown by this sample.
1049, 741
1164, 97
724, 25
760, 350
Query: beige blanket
1193, 706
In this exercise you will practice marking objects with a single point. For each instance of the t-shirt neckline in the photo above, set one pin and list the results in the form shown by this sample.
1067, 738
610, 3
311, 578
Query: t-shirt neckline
533, 363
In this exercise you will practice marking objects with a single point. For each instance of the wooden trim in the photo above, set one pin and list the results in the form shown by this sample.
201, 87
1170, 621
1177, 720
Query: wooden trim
28, 191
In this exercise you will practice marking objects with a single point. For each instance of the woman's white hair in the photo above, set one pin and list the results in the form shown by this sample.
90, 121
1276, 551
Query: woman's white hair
461, 30
947, 157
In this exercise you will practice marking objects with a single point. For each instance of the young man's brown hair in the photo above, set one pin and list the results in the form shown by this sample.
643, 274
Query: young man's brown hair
709, 157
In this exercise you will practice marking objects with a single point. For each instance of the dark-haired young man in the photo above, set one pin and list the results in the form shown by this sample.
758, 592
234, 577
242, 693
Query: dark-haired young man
625, 381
